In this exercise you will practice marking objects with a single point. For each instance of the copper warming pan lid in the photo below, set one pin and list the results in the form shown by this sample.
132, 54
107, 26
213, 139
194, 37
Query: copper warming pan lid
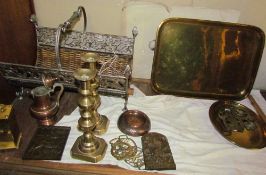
214, 60
206, 59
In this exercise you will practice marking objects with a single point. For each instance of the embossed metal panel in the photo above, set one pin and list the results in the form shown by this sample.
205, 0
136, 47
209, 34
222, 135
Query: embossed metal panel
206, 59
48, 143
156, 152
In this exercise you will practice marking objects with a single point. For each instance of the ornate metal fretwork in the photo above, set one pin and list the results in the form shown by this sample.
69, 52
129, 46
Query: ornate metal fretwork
87, 41
236, 119
59, 55
26, 75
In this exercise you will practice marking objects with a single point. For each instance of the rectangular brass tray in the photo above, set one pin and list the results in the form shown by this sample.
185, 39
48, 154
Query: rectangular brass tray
206, 59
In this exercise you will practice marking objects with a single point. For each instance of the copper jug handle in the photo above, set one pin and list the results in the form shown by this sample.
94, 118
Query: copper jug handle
60, 92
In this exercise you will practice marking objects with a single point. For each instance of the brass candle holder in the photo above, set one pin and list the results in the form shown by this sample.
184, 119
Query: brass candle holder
102, 122
87, 147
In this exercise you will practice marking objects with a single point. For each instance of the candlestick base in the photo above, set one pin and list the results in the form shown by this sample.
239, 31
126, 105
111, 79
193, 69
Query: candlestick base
89, 148
101, 126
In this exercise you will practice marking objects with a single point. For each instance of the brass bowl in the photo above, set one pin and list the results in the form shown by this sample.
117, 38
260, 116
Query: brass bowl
134, 123
250, 129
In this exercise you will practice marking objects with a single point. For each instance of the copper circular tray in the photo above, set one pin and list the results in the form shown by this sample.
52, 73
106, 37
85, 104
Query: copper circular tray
134, 123
238, 124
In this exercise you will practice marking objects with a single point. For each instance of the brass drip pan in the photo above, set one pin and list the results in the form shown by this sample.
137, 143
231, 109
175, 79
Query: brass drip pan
238, 124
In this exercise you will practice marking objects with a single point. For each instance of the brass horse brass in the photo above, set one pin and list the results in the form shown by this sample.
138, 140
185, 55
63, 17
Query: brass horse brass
206, 59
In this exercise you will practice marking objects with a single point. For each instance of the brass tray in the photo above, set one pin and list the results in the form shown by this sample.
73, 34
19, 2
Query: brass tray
206, 59
238, 124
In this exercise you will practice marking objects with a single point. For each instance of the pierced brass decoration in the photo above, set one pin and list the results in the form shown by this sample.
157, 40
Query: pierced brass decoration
136, 161
124, 148
238, 124
26, 75
236, 119
88, 147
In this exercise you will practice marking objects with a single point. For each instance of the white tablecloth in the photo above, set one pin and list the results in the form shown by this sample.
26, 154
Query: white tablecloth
196, 146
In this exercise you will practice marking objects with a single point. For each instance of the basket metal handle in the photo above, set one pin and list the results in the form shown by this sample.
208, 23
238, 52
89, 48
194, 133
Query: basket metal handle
68, 25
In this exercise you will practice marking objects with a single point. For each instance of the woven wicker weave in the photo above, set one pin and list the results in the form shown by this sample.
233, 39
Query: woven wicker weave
116, 54
70, 60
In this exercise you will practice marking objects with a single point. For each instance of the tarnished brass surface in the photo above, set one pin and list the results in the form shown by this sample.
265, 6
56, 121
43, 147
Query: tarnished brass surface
134, 123
206, 59
102, 122
88, 147
48, 143
90, 58
84, 74
10, 134
157, 153
238, 124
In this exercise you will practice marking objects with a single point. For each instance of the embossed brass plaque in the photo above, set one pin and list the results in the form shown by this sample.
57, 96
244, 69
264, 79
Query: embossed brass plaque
206, 59
48, 143
156, 152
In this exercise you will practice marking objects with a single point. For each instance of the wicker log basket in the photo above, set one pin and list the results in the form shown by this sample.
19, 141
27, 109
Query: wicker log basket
59, 52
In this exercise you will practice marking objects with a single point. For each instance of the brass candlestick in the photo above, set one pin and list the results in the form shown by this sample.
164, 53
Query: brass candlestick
87, 147
102, 121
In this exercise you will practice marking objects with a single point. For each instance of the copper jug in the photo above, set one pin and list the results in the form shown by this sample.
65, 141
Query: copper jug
44, 106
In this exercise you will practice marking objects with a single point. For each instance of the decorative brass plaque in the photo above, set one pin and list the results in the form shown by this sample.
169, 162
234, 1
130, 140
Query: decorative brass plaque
157, 153
206, 59
48, 143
